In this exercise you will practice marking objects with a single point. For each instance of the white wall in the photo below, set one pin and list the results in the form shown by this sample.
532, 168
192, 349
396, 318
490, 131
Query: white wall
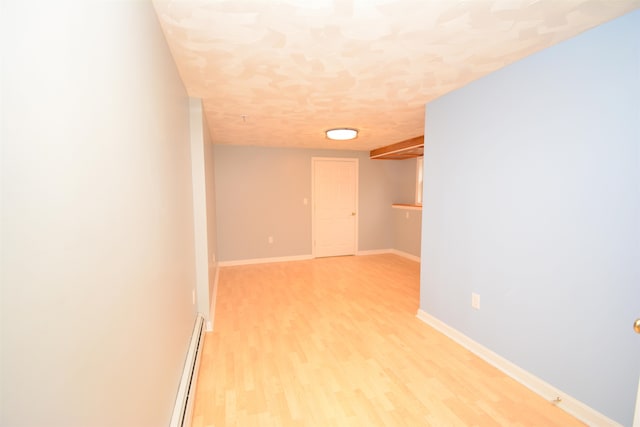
407, 231
97, 220
407, 224
532, 200
200, 220
260, 193
210, 183
204, 205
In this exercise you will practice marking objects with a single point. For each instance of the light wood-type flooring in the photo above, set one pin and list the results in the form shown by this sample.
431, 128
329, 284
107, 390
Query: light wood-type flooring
336, 342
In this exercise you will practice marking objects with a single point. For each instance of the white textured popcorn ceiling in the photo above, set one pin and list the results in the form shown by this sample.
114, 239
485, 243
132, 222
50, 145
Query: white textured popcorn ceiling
280, 73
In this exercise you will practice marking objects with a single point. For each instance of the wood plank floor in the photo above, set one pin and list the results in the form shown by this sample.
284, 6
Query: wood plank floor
336, 342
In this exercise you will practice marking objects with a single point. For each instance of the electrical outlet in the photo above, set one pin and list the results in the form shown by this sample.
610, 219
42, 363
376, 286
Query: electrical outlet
305, 201
270, 239
475, 301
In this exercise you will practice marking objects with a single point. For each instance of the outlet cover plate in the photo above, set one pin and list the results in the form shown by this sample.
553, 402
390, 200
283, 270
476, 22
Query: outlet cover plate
475, 301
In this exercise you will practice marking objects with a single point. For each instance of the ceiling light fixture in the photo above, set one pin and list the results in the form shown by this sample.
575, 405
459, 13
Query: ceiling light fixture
342, 134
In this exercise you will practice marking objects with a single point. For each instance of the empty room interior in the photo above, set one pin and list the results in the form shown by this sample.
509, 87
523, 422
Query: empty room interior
320, 213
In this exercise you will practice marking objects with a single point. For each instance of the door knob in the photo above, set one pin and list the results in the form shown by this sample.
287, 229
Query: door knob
636, 326
353, 214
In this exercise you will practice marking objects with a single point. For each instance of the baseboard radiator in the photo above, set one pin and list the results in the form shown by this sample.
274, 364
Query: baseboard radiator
183, 408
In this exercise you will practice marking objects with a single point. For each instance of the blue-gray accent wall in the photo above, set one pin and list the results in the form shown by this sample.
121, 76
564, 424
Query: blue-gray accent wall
532, 201
259, 192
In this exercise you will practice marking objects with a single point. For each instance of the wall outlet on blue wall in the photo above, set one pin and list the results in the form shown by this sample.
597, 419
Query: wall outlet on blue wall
475, 301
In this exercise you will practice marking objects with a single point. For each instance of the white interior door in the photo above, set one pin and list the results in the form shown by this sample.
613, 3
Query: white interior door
335, 202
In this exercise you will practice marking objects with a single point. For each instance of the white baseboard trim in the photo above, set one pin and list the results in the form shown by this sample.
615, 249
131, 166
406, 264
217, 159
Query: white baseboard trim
307, 257
569, 404
374, 252
389, 251
264, 260
405, 255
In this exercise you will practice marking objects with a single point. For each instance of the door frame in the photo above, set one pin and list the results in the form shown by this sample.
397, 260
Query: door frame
636, 415
356, 162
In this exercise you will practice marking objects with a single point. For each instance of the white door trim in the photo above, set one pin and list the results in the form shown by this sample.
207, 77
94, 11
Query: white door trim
636, 416
356, 162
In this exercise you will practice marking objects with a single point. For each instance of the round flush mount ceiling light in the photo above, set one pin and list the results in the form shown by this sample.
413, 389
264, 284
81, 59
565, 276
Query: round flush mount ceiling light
342, 134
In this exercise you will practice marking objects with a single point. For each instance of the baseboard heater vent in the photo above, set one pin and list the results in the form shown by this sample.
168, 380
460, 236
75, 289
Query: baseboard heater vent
186, 392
